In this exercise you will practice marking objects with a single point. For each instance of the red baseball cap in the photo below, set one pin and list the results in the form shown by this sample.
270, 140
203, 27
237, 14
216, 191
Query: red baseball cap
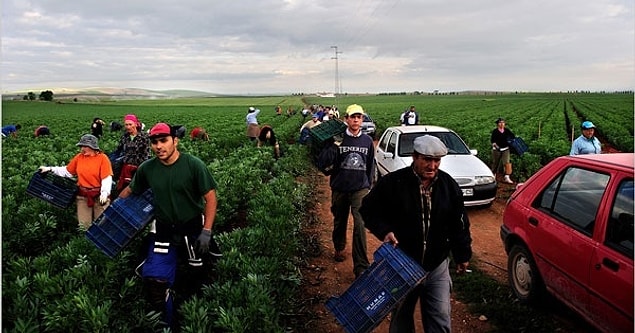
160, 130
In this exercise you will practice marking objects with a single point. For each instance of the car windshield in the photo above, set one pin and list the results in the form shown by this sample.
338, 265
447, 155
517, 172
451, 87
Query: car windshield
367, 119
455, 145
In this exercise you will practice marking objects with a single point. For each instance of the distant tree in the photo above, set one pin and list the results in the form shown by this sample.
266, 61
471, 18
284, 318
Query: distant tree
31, 96
46, 95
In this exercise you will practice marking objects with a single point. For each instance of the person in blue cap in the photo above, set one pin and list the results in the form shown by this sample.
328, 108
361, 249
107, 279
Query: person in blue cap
586, 143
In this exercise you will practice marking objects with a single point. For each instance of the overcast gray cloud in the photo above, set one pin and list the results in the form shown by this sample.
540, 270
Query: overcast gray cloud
256, 46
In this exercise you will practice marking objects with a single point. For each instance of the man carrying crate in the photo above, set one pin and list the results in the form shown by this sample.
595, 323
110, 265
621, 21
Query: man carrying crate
426, 220
185, 207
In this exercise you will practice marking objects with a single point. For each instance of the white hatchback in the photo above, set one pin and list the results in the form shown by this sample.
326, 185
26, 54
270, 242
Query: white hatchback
394, 151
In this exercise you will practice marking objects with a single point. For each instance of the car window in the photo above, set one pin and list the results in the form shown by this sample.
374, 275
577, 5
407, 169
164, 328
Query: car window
392, 144
384, 141
574, 197
367, 119
452, 141
619, 231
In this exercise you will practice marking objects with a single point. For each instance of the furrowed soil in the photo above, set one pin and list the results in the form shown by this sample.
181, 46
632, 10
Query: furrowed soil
323, 277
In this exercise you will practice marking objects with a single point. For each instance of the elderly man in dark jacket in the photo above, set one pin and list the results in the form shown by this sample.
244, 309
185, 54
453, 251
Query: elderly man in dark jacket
420, 209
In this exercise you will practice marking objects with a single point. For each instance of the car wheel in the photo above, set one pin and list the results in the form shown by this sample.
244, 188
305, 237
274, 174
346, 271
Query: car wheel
524, 278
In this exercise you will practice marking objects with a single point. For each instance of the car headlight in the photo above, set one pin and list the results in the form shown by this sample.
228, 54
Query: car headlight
483, 180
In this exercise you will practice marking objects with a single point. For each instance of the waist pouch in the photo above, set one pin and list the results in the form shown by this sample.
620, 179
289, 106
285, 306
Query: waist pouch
174, 232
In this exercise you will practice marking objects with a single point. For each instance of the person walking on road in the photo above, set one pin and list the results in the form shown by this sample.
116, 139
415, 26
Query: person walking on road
427, 220
500, 149
350, 180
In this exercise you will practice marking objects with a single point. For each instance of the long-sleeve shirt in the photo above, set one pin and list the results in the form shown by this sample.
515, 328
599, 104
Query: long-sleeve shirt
354, 164
135, 149
582, 145
251, 117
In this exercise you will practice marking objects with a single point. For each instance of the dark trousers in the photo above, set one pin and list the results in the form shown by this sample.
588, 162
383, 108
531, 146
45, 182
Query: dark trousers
341, 204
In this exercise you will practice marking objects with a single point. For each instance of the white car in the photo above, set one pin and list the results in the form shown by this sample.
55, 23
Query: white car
394, 151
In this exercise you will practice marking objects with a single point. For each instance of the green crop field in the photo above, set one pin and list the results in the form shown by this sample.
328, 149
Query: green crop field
54, 280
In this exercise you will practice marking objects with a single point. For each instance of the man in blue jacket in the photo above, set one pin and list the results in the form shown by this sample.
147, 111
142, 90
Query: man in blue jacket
351, 168
420, 209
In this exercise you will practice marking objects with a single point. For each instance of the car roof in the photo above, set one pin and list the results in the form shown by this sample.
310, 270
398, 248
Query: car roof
419, 129
625, 160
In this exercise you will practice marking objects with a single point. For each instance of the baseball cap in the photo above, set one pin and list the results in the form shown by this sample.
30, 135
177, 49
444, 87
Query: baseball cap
587, 124
353, 109
160, 130
429, 145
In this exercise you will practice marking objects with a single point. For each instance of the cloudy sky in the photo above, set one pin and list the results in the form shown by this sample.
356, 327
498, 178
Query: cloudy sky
274, 46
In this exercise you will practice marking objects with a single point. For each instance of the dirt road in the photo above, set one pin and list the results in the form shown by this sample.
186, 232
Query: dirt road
324, 277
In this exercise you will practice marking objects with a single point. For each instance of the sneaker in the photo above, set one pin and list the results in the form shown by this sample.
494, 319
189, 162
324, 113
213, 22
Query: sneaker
339, 256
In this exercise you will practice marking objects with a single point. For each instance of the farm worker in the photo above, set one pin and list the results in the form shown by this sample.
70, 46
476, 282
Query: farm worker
11, 130
500, 149
426, 220
94, 179
410, 117
304, 130
252, 123
115, 126
97, 127
41, 131
184, 207
586, 143
199, 133
267, 136
350, 180
133, 149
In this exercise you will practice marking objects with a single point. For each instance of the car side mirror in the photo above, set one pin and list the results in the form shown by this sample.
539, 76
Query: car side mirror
387, 155
474, 152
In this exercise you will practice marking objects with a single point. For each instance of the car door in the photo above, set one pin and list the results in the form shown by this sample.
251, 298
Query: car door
611, 271
564, 222
386, 152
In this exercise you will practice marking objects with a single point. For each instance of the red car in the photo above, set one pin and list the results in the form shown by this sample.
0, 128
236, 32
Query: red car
569, 230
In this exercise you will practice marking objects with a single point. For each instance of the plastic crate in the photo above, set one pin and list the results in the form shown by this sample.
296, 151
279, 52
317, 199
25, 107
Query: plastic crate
518, 146
58, 191
377, 290
327, 130
121, 222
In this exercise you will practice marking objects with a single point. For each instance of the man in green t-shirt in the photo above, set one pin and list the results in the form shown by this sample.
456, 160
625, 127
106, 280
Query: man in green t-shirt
184, 200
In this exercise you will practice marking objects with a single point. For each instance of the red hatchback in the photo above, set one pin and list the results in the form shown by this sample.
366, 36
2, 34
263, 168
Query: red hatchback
569, 230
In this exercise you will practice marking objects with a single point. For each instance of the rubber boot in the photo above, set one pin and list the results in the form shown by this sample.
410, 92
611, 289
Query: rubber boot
507, 180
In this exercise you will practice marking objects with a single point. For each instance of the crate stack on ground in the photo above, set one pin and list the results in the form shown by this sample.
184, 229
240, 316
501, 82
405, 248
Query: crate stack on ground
370, 298
121, 222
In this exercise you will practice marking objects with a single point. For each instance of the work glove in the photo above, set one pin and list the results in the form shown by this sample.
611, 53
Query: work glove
44, 169
103, 198
202, 242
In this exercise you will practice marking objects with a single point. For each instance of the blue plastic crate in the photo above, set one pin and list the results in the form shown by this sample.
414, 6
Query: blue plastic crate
121, 222
376, 291
58, 191
518, 146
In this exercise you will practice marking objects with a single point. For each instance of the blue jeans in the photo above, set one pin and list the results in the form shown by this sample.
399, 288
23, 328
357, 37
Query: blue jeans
434, 297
